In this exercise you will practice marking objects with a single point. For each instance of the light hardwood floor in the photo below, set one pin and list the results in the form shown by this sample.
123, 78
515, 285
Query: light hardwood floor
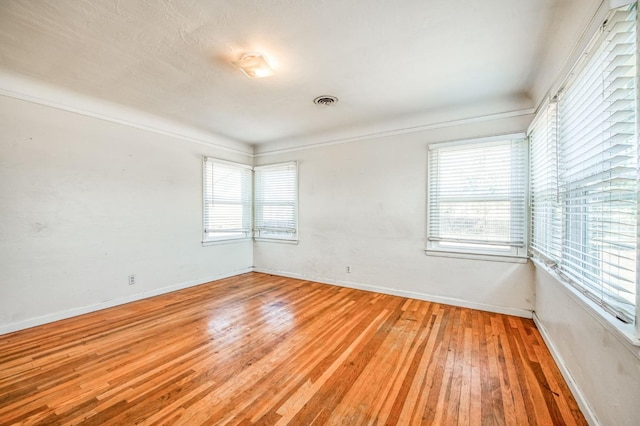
261, 349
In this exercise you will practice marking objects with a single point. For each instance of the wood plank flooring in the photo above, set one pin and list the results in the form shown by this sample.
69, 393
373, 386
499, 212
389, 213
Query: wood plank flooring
261, 349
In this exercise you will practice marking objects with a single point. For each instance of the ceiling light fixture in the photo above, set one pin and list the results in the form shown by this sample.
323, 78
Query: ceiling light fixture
254, 65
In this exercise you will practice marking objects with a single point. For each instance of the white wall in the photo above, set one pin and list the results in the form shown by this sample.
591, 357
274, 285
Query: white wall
605, 372
363, 204
86, 202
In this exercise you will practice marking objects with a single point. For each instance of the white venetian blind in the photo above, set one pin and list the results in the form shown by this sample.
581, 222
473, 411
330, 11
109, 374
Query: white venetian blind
545, 210
477, 196
599, 169
227, 200
276, 201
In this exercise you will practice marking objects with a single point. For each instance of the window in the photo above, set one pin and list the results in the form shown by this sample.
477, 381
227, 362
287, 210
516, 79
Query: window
477, 193
545, 212
227, 200
276, 201
584, 180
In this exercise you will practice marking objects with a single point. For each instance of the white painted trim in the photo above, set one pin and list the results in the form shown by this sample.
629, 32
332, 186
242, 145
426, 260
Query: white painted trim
614, 4
482, 140
401, 131
275, 240
208, 159
402, 293
57, 316
69, 313
588, 413
504, 258
226, 241
25, 89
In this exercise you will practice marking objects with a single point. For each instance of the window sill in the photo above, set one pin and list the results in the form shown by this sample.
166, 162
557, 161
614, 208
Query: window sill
229, 241
275, 240
477, 256
625, 333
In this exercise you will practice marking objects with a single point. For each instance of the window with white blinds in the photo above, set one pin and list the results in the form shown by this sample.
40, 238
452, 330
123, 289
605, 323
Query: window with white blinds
227, 200
587, 224
545, 211
477, 196
276, 201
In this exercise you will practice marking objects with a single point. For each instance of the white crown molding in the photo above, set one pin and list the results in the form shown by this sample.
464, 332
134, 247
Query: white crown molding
38, 92
26, 89
399, 131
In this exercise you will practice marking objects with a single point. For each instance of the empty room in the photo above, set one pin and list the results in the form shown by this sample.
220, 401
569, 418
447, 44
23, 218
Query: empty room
307, 212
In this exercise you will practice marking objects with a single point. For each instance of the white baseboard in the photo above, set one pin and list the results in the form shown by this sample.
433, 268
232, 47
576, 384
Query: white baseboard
409, 294
57, 316
575, 389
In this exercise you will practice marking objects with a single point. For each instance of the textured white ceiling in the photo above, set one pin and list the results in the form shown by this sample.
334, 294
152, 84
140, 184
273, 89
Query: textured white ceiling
387, 61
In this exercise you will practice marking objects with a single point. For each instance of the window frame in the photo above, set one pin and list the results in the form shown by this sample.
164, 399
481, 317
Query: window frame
208, 239
250, 232
272, 235
489, 252
574, 233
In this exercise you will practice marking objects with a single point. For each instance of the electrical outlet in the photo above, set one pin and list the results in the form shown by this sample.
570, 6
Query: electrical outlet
348, 269
132, 279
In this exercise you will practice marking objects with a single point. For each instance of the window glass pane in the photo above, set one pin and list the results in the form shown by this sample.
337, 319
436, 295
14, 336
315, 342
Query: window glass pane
477, 197
276, 201
227, 200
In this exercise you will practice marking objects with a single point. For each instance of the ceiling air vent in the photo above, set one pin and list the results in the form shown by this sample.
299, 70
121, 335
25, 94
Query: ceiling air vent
325, 100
